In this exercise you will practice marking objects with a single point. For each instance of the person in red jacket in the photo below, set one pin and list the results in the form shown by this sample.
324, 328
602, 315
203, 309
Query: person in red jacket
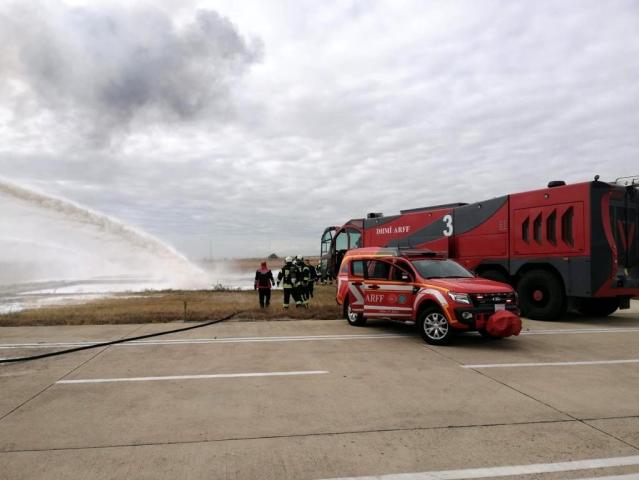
263, 282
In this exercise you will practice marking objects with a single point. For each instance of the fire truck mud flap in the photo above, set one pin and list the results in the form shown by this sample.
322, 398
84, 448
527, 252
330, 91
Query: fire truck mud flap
503, 324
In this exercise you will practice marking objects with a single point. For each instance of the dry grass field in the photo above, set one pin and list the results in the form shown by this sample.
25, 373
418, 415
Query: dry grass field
171, 306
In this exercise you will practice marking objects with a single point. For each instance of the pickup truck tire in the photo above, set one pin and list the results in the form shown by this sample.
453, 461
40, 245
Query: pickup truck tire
434, 327
353, 318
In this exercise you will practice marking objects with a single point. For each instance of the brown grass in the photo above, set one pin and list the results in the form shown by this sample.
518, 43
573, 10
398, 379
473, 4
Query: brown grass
170, 307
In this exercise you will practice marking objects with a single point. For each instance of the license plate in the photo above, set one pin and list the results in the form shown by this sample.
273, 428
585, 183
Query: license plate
500, 306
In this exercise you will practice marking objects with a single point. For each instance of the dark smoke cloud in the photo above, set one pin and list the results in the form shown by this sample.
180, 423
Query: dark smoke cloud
101, 69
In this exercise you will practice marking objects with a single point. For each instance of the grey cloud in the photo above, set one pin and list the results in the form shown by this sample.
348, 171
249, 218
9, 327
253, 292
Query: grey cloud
397, 106
99, 69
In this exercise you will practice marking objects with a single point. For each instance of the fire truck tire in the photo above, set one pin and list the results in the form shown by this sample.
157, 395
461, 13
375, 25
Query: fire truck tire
496, 275
541, 295
353, 318
434, 327
597, 307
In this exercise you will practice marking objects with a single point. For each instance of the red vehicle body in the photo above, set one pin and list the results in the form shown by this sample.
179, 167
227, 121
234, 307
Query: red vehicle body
419, 287
563, 245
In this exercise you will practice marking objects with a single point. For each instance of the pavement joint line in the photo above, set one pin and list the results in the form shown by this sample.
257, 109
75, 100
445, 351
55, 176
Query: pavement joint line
594, 427
512, 470
548, 405
585, 423
552, 364
300, 435
209, 340
503, 384
191, 377
80, 365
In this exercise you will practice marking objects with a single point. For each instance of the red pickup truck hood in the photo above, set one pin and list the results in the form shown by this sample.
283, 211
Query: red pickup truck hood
469, 285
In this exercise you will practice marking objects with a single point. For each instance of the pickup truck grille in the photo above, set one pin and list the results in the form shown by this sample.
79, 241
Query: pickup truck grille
480, 299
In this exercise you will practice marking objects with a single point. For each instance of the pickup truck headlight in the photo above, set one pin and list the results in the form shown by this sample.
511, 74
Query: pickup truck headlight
460, 297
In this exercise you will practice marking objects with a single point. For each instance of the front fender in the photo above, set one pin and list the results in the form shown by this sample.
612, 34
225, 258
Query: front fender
439, 297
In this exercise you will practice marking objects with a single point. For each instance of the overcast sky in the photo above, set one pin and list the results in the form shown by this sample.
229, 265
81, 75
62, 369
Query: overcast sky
246, 127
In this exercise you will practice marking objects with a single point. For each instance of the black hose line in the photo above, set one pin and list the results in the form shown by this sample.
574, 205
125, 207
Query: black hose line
114, 342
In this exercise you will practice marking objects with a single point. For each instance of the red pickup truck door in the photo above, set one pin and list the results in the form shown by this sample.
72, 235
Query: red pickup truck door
388, 293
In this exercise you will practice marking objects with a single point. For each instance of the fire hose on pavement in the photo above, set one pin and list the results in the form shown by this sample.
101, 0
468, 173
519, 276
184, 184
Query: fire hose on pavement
115, 342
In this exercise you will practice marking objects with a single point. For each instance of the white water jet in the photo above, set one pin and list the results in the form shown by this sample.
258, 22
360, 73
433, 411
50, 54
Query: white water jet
45, 238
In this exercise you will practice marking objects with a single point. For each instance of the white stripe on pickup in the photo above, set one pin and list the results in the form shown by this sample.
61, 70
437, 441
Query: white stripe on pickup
388, 288
383, 307
359, 300
435, 293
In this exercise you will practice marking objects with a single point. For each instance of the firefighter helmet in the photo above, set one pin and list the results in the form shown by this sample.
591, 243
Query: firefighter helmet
288, 259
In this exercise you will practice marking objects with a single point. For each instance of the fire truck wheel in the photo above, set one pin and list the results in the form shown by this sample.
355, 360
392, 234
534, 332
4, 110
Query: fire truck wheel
353, 318
597, 307
496, 275
541, 295
434, 327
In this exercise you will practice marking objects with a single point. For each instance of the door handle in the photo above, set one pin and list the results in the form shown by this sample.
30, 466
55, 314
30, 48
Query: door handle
373, 287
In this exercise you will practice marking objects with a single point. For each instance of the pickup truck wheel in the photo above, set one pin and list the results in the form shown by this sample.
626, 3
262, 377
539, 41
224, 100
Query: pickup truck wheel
434, 327
354, 318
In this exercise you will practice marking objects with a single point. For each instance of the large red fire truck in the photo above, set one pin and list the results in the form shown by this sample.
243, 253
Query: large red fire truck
565, 245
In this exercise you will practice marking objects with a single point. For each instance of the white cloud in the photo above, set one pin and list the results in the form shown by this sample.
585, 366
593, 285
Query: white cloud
354, 107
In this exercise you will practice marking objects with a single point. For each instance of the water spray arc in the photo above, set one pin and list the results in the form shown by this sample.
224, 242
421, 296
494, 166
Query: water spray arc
102, 226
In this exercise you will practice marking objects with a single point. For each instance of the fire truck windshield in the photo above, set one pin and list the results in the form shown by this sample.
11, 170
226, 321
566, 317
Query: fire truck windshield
441, 269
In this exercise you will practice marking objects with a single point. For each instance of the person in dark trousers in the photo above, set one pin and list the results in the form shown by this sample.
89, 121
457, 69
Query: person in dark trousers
305, 277
263, 282
289, 278
313, 278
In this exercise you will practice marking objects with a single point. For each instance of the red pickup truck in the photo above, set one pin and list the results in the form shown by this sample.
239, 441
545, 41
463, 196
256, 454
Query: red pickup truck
423, 288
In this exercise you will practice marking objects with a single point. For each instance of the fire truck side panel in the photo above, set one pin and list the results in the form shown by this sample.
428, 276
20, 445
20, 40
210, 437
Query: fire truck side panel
416, 230
615, 240
551, 222
550, 229
481, 233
